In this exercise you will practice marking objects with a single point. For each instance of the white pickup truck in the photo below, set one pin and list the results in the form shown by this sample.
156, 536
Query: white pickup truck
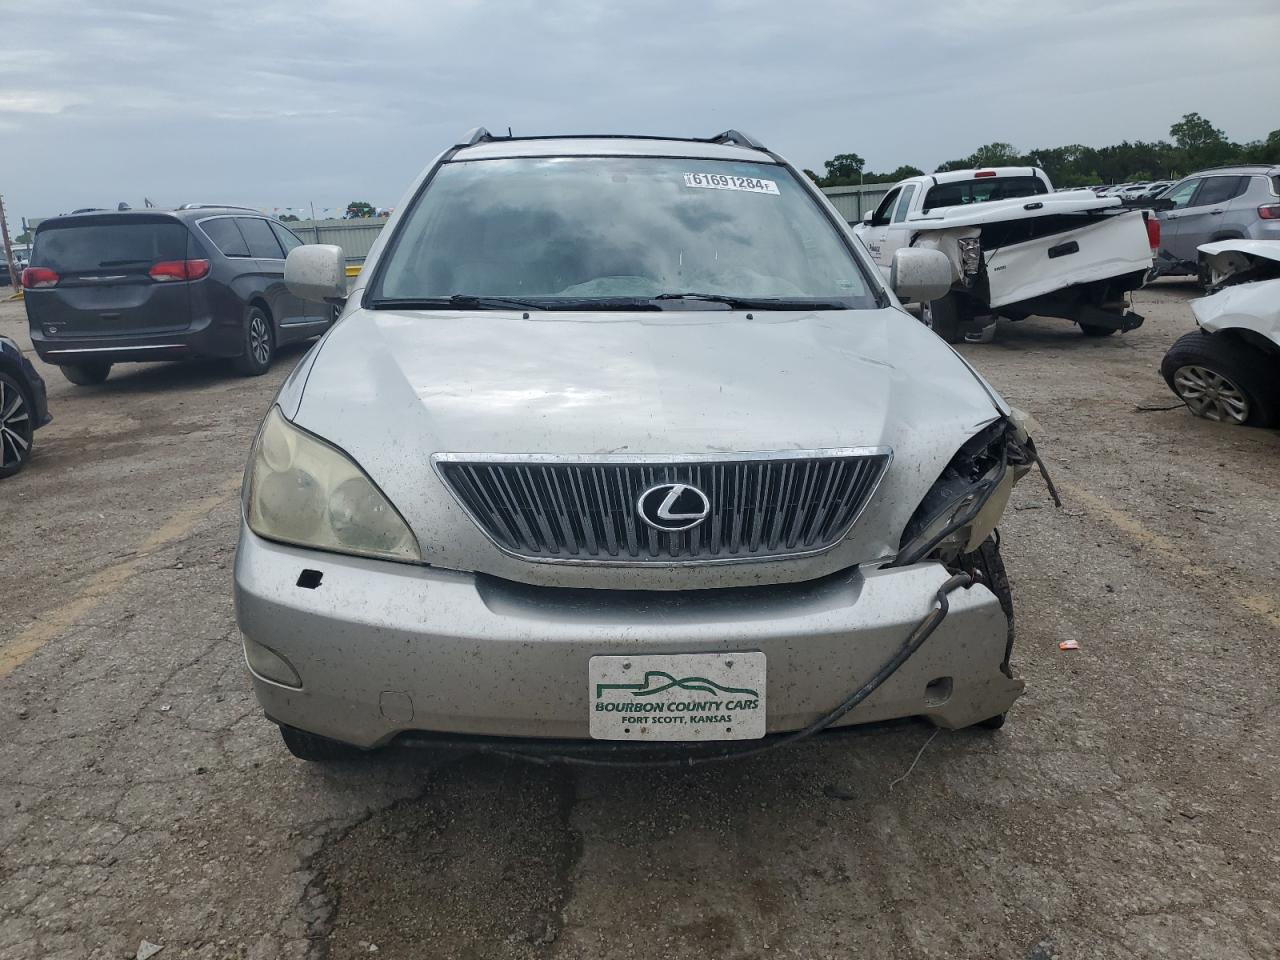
1017, 248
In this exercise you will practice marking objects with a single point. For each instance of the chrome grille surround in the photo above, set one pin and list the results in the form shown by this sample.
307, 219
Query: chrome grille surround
581, 509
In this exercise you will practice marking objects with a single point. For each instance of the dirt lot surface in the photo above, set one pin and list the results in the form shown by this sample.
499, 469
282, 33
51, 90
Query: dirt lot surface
1128, 809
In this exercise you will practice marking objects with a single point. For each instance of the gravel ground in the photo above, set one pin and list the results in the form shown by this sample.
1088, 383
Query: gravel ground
1127, 810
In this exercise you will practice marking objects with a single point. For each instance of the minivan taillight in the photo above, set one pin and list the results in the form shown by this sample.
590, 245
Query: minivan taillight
1153, 233
33, 278
179, 270
1269, 211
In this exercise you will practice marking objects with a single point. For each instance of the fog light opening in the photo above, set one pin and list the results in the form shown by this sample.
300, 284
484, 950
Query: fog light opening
938, 692
268, 665
310, 579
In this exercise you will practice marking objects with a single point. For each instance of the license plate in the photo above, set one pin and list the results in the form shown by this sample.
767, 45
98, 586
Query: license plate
682, 696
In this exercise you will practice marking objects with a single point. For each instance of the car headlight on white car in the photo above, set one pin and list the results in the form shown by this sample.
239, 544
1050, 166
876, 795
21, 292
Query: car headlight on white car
303, 491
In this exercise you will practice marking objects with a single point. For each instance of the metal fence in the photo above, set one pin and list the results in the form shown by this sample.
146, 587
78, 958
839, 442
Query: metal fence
355, 237
853, 202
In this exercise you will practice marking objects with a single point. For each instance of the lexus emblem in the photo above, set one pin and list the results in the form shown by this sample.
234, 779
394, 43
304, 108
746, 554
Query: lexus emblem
672, 507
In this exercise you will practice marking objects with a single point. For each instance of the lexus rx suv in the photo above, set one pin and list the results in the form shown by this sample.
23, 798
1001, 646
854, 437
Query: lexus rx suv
201, 281
624, 443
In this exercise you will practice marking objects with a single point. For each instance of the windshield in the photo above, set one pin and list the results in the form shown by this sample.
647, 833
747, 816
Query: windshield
557, 230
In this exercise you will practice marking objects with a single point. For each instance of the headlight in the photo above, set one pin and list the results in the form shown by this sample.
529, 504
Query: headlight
301, 490
941, 522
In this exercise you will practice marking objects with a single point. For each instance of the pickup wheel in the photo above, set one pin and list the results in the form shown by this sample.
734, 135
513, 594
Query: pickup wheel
1091, 330
1223, 379
943, 317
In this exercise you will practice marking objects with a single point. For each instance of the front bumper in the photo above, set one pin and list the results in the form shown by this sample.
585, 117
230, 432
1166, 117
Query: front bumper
384, 648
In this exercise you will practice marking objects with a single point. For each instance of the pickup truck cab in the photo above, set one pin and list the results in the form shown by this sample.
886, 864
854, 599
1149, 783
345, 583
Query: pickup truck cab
1017, 248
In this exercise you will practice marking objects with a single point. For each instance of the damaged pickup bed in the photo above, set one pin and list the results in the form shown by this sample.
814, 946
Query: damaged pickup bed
1228, 369
1018, 249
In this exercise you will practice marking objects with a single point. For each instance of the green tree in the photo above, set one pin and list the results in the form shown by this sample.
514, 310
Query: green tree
1201, 143
903, 172
357, 209
843, 168
812, 176
289, 218
995, 155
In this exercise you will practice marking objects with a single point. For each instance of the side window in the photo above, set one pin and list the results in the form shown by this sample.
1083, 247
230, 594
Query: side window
225, 236
1181, 194
262, 242
286, 237
900, 211
1220, 190
881, 216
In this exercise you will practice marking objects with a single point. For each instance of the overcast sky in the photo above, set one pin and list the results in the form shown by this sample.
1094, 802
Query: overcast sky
271, 103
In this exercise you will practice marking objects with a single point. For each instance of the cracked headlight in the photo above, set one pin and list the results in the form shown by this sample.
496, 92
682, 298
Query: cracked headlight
941, 522
303, 491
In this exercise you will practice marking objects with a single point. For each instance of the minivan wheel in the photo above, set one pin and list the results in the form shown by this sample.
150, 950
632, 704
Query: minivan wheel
316, 749
16, 426
259, 344
86, 374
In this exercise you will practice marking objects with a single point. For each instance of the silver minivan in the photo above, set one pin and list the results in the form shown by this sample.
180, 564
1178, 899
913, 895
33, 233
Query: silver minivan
1224, 203
623, 443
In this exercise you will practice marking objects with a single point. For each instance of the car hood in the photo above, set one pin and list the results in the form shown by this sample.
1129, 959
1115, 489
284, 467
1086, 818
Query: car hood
392, 388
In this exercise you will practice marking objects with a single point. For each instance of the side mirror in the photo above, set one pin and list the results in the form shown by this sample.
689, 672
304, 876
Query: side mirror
316, 271
866, 217
921, 275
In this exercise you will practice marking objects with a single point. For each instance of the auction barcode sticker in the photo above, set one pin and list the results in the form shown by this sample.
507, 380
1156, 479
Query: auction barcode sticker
720, 181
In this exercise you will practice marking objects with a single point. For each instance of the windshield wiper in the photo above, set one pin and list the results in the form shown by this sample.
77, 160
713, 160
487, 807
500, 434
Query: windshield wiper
465, 301
756, 303
462, 301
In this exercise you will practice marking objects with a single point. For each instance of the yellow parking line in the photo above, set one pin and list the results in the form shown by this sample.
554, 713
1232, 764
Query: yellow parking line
105, 582
1263, 607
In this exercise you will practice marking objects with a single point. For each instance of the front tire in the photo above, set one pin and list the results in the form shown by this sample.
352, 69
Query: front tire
314, 748
1222, 380
943, 317
16, 426
86, 374
259, 344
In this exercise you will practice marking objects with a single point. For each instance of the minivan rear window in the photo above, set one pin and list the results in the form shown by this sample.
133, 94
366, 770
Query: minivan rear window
226, 236
105, 246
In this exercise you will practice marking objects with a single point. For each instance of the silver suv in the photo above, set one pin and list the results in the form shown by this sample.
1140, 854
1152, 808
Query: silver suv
623, 441
1224, 203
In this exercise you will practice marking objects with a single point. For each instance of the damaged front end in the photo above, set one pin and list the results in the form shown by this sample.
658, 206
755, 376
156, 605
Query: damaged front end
965, 504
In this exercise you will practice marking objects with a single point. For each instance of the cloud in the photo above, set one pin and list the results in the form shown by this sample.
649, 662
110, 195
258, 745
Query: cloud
279, 103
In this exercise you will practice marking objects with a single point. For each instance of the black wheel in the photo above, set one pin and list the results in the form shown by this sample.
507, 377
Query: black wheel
316, 749
1091, 330
943, 317
992, 723
16, 425
1223, 379
86, 374
259, 344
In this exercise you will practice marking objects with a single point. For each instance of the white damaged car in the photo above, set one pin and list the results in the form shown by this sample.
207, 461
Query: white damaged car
624, 443
1229, 368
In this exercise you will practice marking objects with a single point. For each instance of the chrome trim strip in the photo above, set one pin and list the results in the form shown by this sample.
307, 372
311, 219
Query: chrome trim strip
609, 459
147, 346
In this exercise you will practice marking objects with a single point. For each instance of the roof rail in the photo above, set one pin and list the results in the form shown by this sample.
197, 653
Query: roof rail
215, 206
739, 139
1236, 166
473, 136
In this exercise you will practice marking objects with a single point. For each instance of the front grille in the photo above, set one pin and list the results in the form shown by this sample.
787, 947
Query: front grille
583, 509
